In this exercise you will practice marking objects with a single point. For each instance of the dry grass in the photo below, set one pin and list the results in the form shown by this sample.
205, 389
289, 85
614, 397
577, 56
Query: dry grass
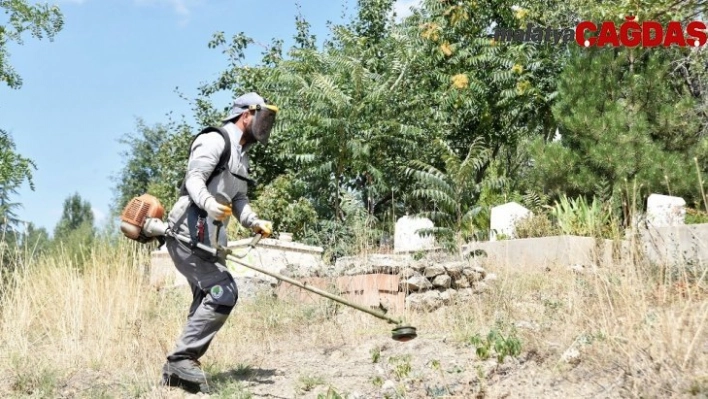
645, 337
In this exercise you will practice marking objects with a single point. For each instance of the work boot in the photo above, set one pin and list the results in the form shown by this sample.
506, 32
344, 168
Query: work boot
188, 370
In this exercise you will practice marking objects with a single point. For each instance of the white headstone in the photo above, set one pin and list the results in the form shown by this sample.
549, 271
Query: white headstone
665, 210
407, 240
504, 218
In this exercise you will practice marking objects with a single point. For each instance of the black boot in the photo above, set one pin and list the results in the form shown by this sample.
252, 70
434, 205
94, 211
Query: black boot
185, 373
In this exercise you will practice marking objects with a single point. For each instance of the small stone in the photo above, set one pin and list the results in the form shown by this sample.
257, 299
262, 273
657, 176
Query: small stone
448, 296
571, 356
427, 301
490, 277
407, 273
461, 282
416, 283
419, 265
442, 281
455, 269
388, 389
434, 271
480, 287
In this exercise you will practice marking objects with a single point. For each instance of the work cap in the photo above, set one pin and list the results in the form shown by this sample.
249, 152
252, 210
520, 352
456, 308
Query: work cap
241, 104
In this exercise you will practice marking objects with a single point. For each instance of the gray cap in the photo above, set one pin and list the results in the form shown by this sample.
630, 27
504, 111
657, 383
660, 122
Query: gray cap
241, 104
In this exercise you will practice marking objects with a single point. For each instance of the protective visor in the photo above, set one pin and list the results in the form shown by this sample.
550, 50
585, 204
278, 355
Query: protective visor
263, 121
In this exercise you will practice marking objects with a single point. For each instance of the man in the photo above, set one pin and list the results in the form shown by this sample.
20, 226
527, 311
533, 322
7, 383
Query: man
202, 203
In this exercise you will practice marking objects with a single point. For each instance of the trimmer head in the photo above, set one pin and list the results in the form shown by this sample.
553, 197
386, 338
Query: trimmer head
403, 333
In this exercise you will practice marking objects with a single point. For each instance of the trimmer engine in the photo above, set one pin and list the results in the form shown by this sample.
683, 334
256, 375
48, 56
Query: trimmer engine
140, 213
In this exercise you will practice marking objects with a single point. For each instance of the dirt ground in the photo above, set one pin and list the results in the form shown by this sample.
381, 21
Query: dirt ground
379, 368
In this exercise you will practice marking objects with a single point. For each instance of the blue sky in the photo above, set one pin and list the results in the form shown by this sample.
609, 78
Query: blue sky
118, 60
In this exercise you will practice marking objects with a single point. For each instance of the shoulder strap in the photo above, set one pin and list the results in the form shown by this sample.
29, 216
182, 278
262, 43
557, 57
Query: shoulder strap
223, 160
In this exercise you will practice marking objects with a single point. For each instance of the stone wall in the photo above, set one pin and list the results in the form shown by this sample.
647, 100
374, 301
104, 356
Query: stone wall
395, 282
544, 252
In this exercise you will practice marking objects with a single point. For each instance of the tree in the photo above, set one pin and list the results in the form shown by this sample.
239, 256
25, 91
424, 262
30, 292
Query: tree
624, 118
77, 213
35, 240
39, 20
141, 165
453, 192
74, 234
155, 163
14, 171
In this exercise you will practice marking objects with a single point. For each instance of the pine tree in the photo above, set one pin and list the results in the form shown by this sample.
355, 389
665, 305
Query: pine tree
623, 119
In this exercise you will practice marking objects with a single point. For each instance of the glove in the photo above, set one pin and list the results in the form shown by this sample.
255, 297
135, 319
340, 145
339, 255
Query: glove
263, 227
216, 210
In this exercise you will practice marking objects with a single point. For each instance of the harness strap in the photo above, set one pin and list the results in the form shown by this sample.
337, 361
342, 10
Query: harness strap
223, 160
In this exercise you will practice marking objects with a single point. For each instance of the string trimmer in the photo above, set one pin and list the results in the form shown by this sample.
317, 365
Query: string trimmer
141, 221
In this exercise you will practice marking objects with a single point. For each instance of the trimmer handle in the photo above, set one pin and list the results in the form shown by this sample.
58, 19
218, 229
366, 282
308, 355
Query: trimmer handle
255, 240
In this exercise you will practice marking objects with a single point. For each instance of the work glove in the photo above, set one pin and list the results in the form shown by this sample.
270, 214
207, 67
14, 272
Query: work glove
216, 210
264, 227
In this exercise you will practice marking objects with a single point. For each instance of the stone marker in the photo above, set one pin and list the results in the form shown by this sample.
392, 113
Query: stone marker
406, 238
503, 219
665, 210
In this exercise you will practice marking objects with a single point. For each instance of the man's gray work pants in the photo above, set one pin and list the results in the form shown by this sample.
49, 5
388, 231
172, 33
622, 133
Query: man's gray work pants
214, 294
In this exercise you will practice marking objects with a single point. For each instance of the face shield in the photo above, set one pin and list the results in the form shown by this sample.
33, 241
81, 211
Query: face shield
263, 121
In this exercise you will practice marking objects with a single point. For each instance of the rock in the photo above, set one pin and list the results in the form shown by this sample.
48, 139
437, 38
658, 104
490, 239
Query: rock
461, 282
416, 284
481, 287
448, 296
442, 281
419, 266
434, 270
490, 277
407, 273
472, 275
455, 269
427, 301
571, 356
464, 295
388, 389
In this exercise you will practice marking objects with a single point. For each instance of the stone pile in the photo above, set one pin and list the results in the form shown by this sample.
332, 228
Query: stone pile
428, 283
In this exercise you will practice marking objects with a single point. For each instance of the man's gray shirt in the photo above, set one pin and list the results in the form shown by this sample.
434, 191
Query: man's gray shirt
206, 151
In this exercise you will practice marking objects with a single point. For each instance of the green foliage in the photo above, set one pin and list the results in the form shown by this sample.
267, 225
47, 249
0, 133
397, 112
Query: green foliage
453, 193
330, 394
76, 213
14, 171
74, 234
39, 20
35, 241
282, 203
495, 343
696, 216
155, 163
538, 225
577, 217
141, 162
623, 118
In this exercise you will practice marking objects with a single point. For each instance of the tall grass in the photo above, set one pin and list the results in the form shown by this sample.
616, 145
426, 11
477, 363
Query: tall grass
102, 329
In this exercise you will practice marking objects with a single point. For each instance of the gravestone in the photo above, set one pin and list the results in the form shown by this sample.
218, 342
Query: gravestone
504, 218
665, 210
406, 238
